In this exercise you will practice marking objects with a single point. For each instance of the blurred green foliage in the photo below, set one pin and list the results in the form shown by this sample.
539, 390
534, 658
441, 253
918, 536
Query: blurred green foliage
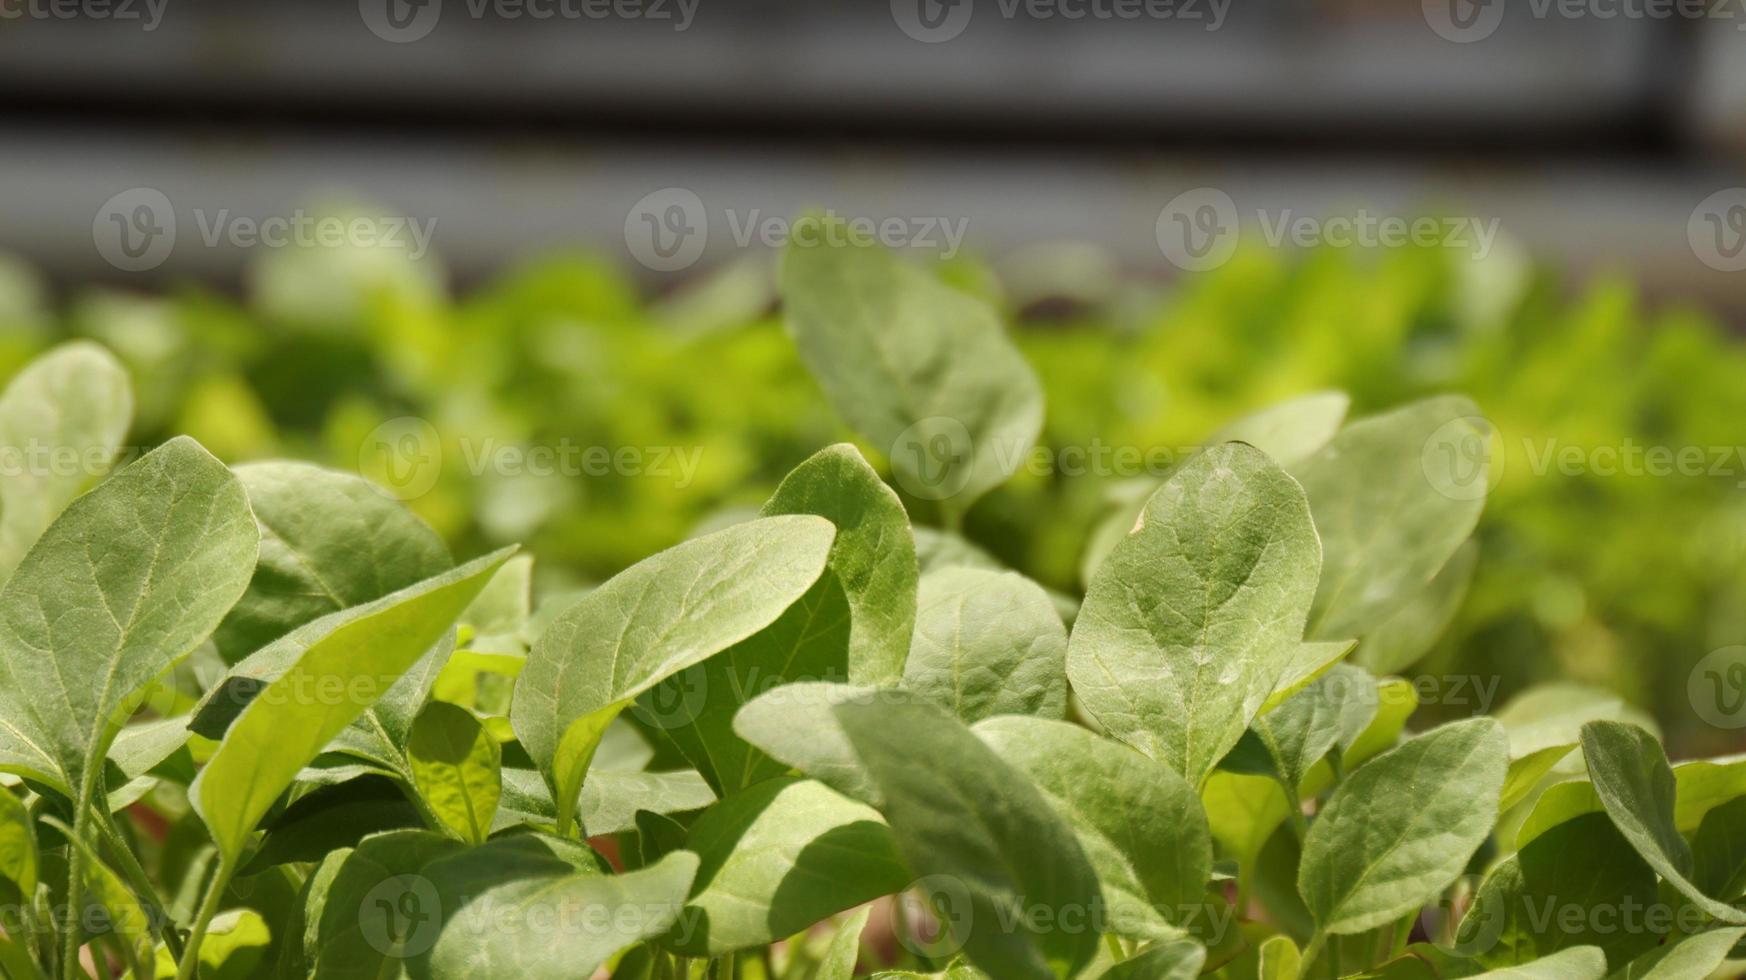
1626, 579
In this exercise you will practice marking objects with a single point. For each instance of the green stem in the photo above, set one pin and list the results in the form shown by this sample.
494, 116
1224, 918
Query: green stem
1115, 946
208, 908
88, 781
137, 879
1313, 950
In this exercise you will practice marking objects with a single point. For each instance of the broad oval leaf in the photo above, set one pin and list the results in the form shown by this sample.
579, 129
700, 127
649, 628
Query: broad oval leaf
1288, 741
923, 371
379, 909
1569, 887
120, 588
558, 928
363, 653
1691, 958
1368, 860
1193, 620
797, 725
778, 858
1635, 784
853, 624
1411, 631
650, 622
1178, 959
329, 541
840, 957
1019, 893
986, 644
1394, 496
457, 768
1140, 823
75, 402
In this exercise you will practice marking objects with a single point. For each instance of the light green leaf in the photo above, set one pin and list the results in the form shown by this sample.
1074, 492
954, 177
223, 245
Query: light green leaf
1242, 812
74, 402
120, 588
1692, 958
797, 725
1179, 959
456, 767
778, 858
499, 617
1309, 663
990, 849
854, 623
926, 373
844, 951
124, 918
559, 927
1138, 822
609, 801
1286, 742
1704, 784
1631, 776
329, 541
1279, 959
1575, 963
1368, 860
1394, 496
18, 857
1544, 724
1559, 803
1194, 619
1411, 631
362, 653
988, 643
235, 948
650, 622
1288, 433
1569, 887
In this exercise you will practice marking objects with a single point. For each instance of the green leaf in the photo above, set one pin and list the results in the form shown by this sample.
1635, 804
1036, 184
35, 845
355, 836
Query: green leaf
331, 818
329, 541
778, 858
1575, 963
1310, 662
1692, 958
360, 654
1368, 860
844, 951
499, 616
1279, 959
456, 767
1411, 631
991, 850
853, 623
657, 837
926, 373
73, 402
235, 948
1634, 782
18, 857
1286, 742
558, 927
1138, 822
988, 643
1194, 619
120, 588
797, 725
1718, 851
609, 801
379, 908
1569, 887
124, 918
1394, 496
650, 622
1179, 959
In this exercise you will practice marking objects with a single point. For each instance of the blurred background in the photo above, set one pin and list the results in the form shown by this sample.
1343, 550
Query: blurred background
551, 224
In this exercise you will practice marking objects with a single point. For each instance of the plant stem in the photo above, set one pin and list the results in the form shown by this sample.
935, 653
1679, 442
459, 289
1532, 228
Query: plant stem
208, 908
1313, 950
1115, 946
88, 782
128, 864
